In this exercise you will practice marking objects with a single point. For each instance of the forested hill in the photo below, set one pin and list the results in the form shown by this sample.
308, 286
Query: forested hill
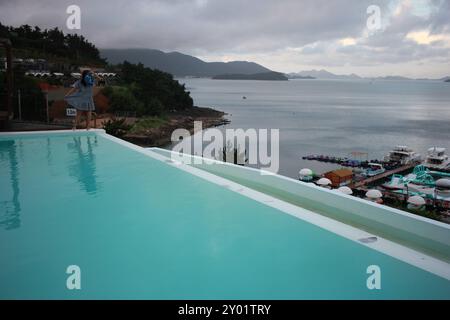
180, 64
51, 44
142, 90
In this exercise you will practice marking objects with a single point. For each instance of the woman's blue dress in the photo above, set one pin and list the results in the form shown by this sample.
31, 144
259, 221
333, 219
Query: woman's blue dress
81, 99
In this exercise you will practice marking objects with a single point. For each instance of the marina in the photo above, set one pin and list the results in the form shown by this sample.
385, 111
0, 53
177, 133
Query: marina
382, 176
401, 179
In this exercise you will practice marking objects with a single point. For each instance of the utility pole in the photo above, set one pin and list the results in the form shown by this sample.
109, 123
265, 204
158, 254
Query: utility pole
45, 89
7, 116
46, 106
19, 97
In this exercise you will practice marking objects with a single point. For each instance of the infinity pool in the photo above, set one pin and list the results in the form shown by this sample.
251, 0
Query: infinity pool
142, 228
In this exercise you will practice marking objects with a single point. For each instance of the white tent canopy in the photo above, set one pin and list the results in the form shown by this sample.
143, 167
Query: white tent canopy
374, 194
305, 172
345, 190
416, 200
324, 182
443, 183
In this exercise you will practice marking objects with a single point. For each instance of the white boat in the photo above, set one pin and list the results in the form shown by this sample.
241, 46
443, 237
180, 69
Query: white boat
373, 170
403, 155
437, 159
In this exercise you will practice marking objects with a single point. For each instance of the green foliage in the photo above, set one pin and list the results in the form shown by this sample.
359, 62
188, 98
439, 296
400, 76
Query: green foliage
154, 107
51, 42
238, 156
146, 123
156, 90
147, 92
121, 99
142, 90
116, 127
425, 213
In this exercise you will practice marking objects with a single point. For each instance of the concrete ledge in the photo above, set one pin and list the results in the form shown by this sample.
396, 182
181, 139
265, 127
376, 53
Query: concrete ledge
426, 235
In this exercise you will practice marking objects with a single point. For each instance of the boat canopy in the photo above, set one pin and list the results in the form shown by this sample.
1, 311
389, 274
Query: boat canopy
436, 150
378, 165
403, 148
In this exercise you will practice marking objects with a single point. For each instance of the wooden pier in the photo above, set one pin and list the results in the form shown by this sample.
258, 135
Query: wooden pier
381, 176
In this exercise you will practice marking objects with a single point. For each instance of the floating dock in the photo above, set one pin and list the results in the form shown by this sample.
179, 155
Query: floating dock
382, 176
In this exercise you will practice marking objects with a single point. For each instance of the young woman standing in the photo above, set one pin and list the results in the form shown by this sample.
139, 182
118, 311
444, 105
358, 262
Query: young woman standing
80, 97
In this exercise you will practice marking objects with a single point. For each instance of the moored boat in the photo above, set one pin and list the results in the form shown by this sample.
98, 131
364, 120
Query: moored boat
374, 169
403, 155
437, 159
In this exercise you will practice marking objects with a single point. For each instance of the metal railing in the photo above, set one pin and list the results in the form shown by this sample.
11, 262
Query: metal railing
27, 105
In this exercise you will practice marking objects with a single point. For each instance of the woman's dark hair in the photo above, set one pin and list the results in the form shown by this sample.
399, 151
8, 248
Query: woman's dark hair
83, 77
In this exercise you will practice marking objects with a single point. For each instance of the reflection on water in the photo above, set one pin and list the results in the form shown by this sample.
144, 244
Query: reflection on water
49, 152
83, 167
10, 209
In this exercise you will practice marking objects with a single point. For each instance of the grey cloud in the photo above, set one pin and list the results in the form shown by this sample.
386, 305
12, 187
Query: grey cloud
245, 28
216, 25
441, 20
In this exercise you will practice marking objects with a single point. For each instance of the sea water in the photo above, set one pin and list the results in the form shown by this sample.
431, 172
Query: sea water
333, 117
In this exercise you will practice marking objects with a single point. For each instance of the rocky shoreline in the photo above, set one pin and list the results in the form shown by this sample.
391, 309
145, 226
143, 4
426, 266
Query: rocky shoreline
161, 136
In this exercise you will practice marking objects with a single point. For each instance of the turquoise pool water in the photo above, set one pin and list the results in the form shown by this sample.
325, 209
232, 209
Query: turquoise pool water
141, 229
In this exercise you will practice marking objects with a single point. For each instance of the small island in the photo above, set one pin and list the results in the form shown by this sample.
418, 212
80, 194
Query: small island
267, 76
448, 80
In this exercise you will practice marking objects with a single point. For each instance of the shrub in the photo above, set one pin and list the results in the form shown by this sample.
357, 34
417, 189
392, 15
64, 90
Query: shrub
147, 123
116, 127
121, 99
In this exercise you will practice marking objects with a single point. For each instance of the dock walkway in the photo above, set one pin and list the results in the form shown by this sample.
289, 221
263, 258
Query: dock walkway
381, 176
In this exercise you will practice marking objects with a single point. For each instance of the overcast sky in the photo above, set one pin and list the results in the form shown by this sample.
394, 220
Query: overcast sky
285, 35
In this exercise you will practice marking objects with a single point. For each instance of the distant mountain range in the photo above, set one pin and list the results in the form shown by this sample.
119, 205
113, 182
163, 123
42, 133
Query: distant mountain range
183, 65
296, 76
323, 74
180, 64
268, 76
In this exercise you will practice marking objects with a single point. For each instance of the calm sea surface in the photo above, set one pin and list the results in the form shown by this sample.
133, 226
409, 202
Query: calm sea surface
333, 117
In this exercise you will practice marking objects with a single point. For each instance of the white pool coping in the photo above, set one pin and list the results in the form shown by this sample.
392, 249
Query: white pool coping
42, 132
388, 247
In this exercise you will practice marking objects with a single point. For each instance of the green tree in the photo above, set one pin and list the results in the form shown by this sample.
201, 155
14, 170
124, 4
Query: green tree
50, 43
157, 90
121, 99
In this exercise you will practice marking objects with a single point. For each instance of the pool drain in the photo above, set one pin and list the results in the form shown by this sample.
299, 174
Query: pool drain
368, 240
